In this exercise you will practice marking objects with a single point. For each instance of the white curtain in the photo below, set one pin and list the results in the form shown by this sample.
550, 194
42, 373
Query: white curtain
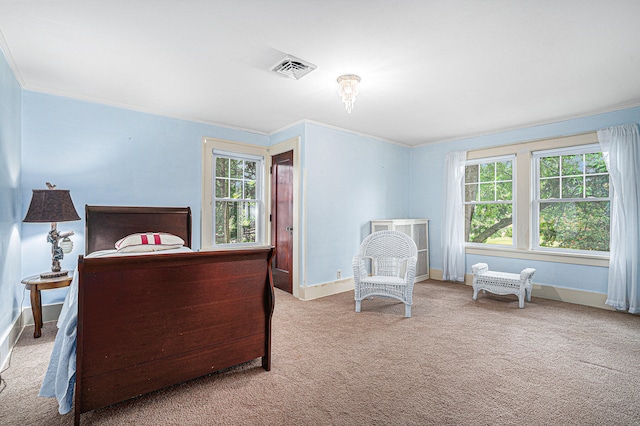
621, 151
453, 225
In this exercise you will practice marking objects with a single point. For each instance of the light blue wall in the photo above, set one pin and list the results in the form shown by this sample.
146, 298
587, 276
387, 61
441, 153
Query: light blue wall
112, 156
347, 180
108, 156
427, 170
11, 291
350, 180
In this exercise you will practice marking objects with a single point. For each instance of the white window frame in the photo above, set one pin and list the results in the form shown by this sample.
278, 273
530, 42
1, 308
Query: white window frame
524, 189
512, 158
240, 151
535, 216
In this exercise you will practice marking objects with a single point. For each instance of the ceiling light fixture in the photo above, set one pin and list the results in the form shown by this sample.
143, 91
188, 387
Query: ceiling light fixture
348, 89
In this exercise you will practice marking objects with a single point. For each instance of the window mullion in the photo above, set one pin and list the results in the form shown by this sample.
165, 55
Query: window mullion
495, 181
522, 201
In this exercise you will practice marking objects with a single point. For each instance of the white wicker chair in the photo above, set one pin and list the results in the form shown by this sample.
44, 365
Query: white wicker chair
391, 257
502, 282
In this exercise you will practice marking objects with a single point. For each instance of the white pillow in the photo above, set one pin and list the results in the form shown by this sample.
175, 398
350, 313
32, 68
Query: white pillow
148, 241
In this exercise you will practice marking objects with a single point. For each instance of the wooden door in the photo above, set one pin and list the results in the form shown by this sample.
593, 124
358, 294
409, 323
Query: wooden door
282, 219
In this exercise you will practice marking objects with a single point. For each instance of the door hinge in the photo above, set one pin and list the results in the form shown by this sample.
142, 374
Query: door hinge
270, 218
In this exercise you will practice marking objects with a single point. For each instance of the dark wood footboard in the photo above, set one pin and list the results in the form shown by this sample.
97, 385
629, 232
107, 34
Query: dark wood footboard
148, 322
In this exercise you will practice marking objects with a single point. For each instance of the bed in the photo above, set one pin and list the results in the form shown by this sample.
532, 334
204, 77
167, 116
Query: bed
145, 322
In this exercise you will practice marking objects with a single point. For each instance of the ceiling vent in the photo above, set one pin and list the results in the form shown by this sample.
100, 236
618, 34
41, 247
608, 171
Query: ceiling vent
293, 67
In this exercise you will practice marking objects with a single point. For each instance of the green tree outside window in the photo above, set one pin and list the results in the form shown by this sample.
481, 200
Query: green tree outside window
236, 200
573, 202
489, 202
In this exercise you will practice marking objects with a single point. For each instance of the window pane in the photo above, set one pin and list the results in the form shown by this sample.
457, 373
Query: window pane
237, 168
222, 188
250, 168
578, 226
471, 173
594, 163
504, 170
248, 222
550, 166
489, 224
235, 187
549, 188
250, 190
487, 172
235, 222
223, 219
222, 167
572, 187
487, 192
597, 186
572, 165
471, 192
504, 191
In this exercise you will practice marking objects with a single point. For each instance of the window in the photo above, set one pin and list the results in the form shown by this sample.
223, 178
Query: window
237, 198
234, 195
559, 205
571, 206
489, 195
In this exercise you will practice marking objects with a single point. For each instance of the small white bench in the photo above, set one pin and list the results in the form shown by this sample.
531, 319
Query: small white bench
502, 282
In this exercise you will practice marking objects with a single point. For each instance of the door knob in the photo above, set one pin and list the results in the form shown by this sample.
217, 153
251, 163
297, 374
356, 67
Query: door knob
289, 228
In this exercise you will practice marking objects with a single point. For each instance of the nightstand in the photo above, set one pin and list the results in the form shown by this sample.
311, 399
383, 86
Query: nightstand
35, 284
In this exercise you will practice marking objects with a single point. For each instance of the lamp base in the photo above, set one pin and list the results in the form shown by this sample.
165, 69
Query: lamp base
47, 275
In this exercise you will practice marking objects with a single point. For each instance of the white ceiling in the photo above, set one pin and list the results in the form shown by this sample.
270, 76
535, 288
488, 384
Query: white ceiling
431, 70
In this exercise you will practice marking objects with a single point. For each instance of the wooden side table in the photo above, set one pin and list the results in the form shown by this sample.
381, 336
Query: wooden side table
35, 284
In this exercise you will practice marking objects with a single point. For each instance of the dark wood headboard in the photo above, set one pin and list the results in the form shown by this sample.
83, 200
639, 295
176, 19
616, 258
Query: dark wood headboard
104, 225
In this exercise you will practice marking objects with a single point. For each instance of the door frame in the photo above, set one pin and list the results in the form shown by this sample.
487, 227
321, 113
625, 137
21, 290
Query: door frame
292, 144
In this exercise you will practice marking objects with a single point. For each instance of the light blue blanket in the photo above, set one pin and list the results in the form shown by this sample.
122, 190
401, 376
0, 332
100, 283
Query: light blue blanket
61, 374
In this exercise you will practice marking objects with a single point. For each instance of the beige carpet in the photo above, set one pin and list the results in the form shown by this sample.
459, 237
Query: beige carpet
455, 362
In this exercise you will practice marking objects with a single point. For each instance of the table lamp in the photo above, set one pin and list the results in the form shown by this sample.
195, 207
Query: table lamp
53, 205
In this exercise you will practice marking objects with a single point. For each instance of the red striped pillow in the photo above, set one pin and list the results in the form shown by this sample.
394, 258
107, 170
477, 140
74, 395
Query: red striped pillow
149, 241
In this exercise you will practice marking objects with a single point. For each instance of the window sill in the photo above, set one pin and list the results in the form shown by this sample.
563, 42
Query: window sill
543, 256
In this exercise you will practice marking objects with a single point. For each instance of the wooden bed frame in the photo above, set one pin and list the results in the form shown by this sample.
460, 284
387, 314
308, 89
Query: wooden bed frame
148, 322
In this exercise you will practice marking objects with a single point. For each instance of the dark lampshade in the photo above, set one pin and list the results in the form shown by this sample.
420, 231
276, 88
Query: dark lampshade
51, 205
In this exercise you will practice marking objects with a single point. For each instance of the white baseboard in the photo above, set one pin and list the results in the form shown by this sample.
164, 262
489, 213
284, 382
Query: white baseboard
9, 340
50, 313
569, 295
340, 286
326, 289
435, 274
561, 294
544, 291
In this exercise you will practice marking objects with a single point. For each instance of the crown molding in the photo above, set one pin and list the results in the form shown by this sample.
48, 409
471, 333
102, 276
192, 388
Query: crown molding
4, 47
340, 129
